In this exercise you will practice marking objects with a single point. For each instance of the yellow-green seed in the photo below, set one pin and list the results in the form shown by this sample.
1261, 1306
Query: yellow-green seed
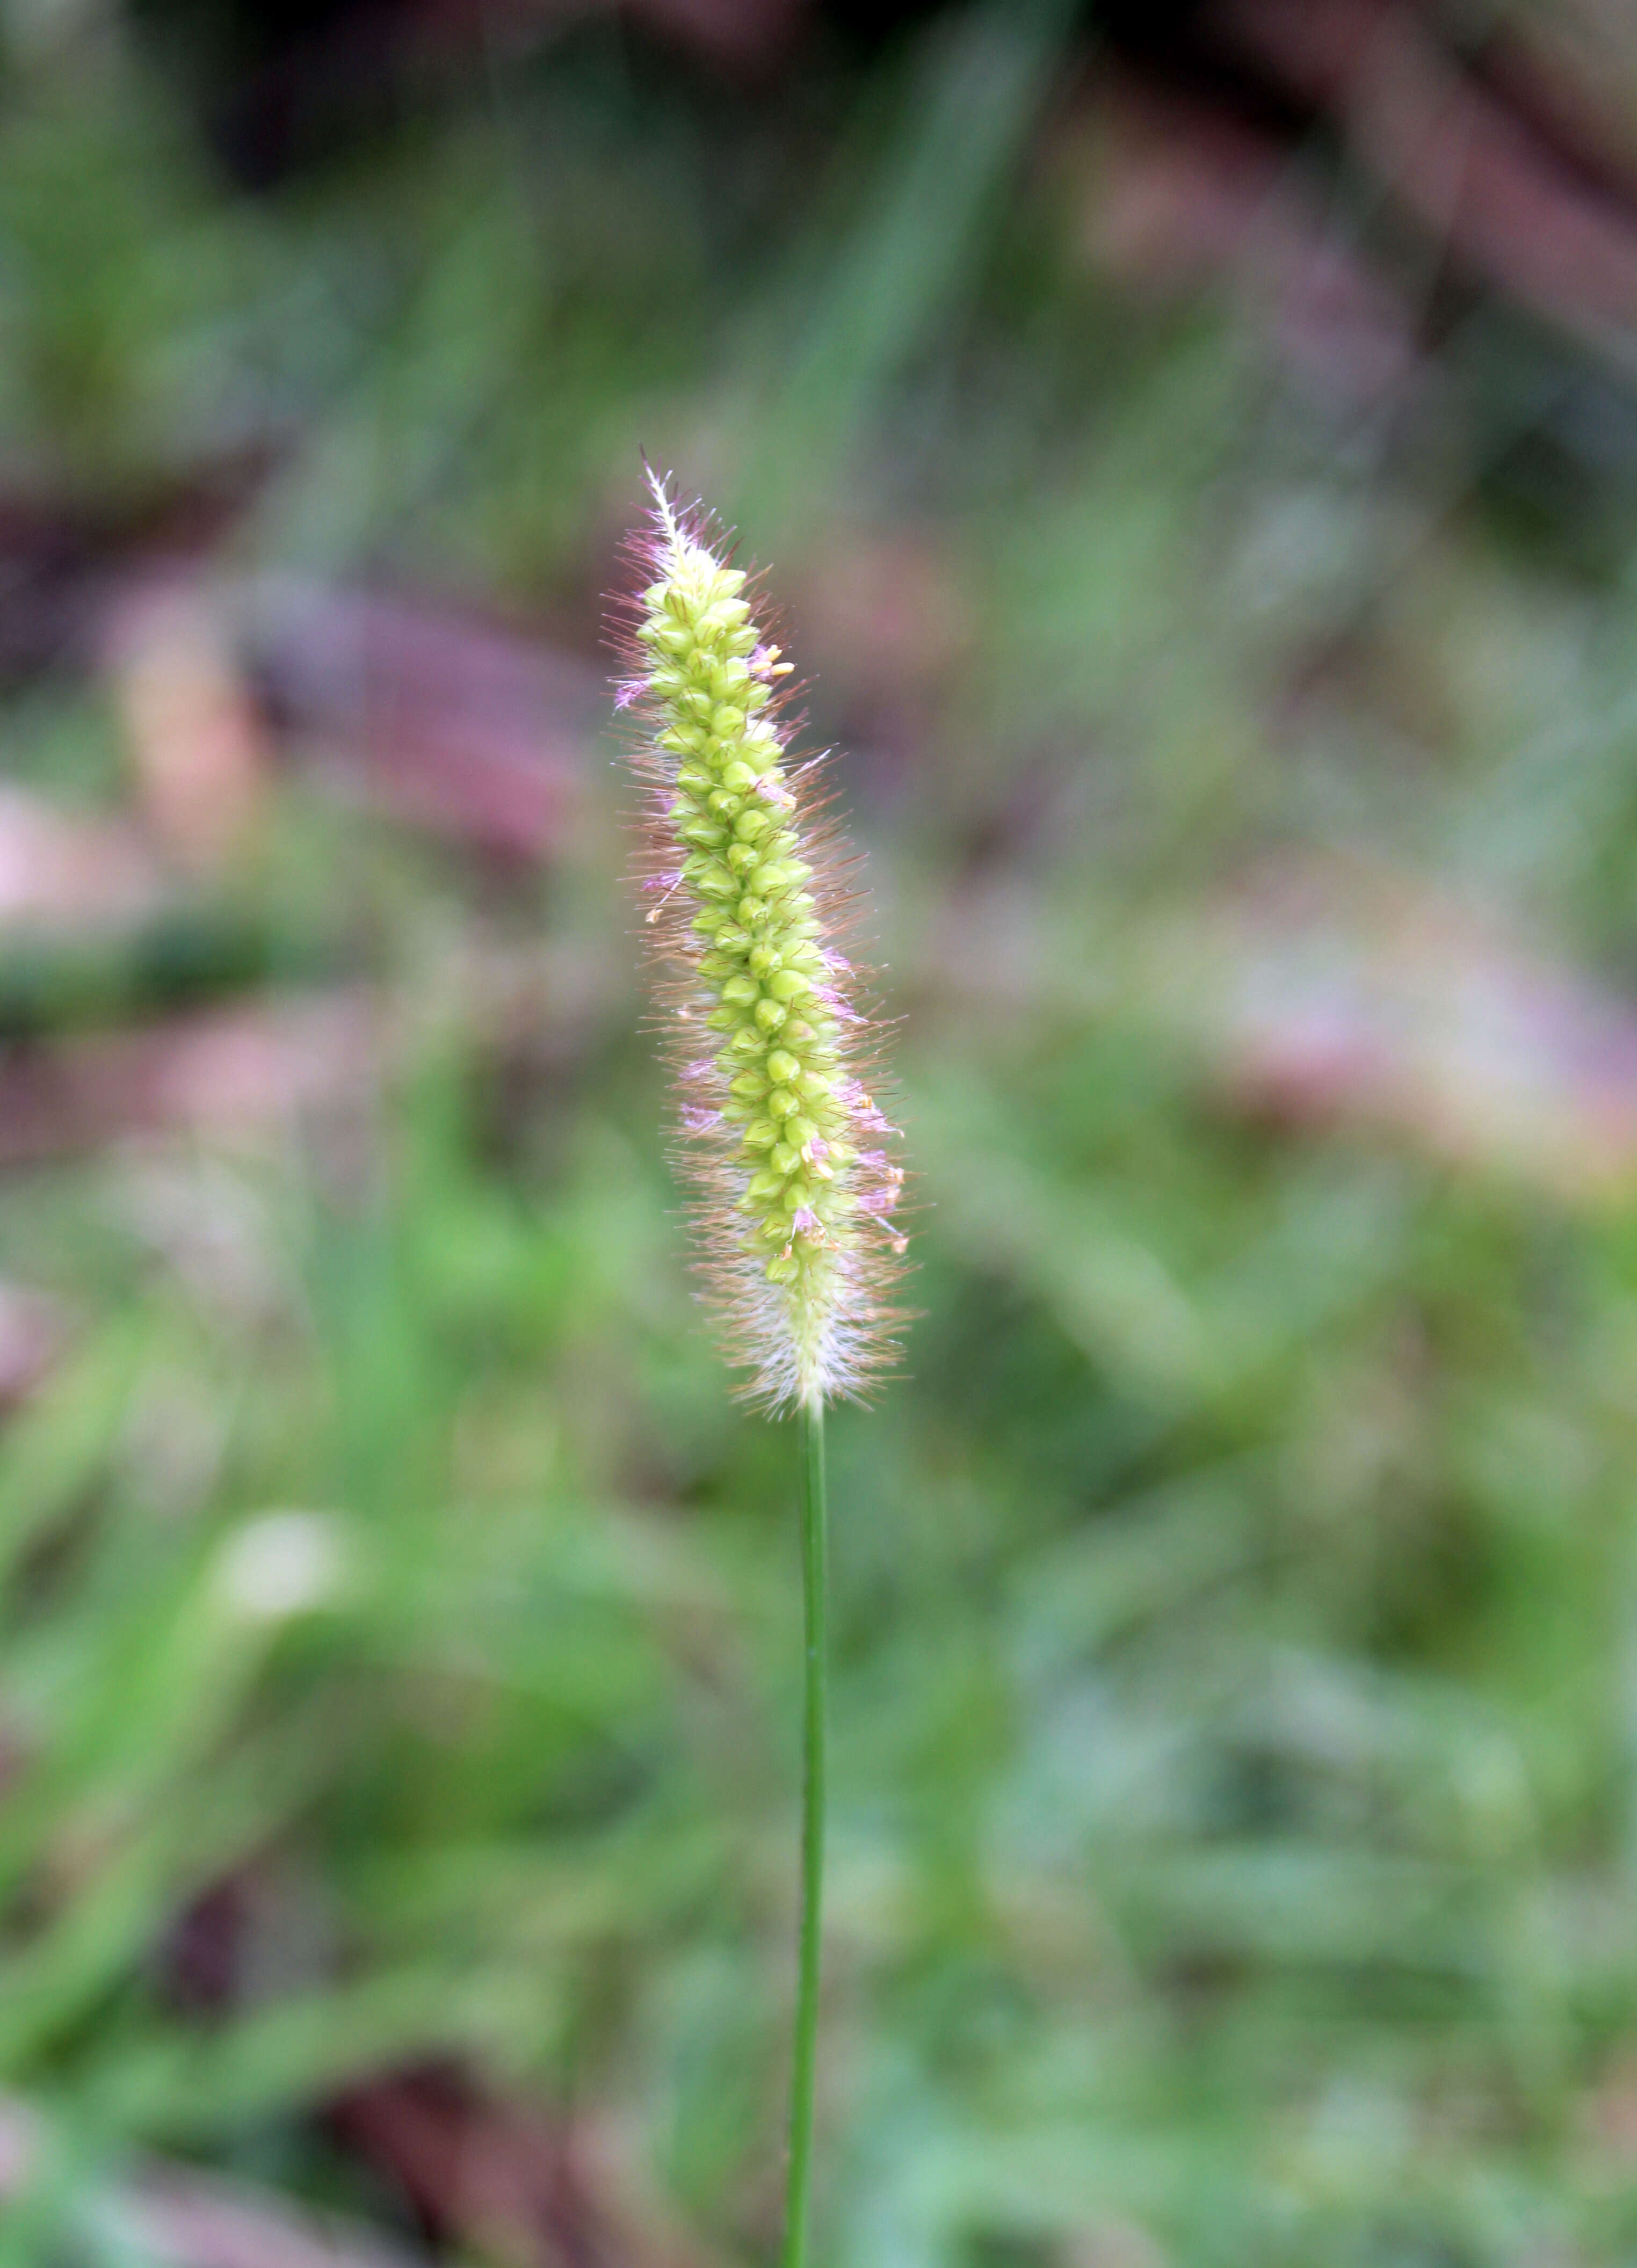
745, 892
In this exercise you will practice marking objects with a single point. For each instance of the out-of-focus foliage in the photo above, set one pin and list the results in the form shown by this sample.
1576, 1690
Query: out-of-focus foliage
1235, 1779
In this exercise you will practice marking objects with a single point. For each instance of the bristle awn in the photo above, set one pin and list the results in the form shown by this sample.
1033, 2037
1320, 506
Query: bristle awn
788, 1156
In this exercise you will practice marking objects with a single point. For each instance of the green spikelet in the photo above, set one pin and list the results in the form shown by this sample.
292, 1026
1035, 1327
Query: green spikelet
787, 1153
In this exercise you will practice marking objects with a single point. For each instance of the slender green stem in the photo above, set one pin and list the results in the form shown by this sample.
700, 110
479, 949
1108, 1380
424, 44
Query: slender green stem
814, 1678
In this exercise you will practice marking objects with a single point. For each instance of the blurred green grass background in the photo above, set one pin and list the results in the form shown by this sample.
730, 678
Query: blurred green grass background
1221, 588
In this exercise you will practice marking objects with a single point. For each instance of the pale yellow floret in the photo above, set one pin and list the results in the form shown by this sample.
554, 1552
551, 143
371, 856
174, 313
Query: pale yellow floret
761, 970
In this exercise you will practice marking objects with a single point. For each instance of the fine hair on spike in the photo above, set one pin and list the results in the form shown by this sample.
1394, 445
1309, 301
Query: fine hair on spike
747, 888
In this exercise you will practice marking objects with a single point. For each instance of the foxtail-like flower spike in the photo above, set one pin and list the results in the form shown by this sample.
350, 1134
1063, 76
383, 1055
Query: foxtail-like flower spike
789, 1160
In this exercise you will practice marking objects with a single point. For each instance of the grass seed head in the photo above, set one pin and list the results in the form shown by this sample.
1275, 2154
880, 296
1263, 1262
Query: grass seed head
790, 1162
